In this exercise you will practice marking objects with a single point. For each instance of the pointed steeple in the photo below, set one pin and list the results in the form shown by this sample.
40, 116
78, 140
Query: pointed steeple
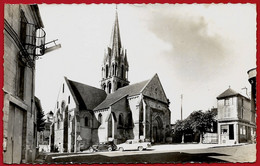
115, 66
115, 40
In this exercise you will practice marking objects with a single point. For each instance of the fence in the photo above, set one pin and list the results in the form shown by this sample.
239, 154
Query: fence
210, 138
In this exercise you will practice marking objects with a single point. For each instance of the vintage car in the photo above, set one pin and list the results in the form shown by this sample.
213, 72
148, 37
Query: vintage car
103, 146
133, 145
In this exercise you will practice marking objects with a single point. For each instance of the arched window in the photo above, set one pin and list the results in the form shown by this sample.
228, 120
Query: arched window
86, 121
122, 71
113, 67
109, 87
121, 120
118, 85
58, 124
100, 118
106, 71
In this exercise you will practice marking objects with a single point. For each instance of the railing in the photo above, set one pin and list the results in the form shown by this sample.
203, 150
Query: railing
35, 40
40, 42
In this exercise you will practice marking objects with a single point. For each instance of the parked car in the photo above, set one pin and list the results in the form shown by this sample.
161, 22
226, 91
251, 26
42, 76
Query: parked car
133, 145
103, 146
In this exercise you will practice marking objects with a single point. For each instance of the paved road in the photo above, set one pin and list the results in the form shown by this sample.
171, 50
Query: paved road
164, 154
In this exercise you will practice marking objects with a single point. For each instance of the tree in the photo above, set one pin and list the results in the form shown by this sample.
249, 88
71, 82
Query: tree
40, 120
201, 122
182, 127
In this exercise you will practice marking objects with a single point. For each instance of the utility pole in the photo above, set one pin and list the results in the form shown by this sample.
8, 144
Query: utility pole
182, 138
181, 106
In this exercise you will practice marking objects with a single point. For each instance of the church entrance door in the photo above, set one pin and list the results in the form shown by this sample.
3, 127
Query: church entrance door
157, 127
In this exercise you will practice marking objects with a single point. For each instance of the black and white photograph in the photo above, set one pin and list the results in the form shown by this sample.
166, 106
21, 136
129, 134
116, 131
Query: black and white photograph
129, 83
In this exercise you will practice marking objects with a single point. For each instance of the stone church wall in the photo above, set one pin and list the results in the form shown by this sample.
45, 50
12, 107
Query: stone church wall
102, 134
64, 101
123, 130
155, 109
85, 131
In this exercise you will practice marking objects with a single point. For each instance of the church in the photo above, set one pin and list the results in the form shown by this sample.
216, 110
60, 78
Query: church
117, 111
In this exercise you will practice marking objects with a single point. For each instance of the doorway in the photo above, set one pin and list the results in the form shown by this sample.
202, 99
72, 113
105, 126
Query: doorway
15, 135
157, 130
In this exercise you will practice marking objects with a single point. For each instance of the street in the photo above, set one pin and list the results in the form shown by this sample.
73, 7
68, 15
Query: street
164, 154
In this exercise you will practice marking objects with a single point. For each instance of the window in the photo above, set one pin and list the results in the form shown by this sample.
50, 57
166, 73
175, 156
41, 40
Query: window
224, 131
62, 88
58, 123
86, 121
227, 112
226, 102
231, 132
57, 104
244, 130
69, 99
113, 69
100, 118
21, 72
106, 71
109, 87
23, 28
122, 71
118, 85
121, 120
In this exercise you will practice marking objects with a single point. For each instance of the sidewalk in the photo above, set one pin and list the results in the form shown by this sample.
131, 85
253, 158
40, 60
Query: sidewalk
190, 146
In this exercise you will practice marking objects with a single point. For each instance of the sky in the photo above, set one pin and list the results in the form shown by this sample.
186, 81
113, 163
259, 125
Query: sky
197, 50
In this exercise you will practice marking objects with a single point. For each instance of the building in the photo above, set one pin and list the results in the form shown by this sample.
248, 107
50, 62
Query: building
43, 137
22, 34
235, 118
252, 81
85, 115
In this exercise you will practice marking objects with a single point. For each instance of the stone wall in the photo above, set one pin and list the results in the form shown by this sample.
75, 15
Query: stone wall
12, 15
65, 100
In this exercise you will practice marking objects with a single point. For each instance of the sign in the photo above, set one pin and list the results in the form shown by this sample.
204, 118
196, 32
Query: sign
79, 138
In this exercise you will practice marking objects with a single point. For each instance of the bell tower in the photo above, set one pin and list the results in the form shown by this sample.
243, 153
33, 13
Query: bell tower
115, 65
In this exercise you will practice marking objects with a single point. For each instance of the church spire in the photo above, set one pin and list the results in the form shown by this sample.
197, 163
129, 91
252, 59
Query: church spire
115, 64
115, 40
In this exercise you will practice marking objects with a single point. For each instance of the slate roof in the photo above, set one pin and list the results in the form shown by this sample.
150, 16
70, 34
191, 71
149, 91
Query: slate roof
129, 90
228, 93
88, 97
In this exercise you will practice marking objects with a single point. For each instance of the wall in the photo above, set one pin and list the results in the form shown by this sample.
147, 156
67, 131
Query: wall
25, 105
232, 108
244, 104
85, 131
63, 97
100, 133
156, 109
122, 132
